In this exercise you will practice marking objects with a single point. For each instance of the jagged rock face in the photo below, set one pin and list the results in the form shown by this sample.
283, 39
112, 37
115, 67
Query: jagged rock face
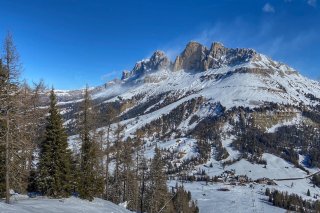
194, 57
158, 61
198, 57
191, 58
125, 74
215, 57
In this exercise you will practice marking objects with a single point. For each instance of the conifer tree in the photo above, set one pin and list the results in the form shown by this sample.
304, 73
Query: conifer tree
142, 176
109, 118
116, 188
129, 181
54, 161
157, 194
91, 179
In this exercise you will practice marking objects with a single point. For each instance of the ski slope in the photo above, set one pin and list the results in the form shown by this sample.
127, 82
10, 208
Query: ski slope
69, 205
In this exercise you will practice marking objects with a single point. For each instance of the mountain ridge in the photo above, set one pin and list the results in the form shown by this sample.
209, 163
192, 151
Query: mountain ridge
246, 114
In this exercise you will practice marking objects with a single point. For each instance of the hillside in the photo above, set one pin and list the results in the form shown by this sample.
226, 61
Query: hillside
217, 110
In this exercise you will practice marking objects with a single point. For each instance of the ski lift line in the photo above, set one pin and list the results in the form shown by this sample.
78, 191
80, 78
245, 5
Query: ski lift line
167, 203
306, 177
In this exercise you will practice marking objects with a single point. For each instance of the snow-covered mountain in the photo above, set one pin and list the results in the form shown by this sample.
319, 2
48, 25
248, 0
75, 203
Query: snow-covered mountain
257, 117
233, 77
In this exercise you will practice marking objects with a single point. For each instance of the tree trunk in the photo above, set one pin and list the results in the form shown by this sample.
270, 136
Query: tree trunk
107, 164
7, 160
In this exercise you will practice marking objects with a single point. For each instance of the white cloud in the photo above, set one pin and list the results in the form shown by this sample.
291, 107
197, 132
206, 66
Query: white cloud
268, 8
312, 3
110, 75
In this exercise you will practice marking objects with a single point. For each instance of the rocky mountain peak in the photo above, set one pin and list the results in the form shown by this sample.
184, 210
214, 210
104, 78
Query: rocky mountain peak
191, 58
197, 57
217, 50
158, 61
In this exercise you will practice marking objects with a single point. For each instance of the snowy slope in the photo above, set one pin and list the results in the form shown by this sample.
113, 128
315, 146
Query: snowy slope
69, 205
238, 199
253, 83
231, 89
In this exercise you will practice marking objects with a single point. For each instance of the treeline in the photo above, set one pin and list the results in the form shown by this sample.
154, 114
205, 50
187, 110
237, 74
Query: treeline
284, 142
316, 180
35, 156
291, 202
20, 122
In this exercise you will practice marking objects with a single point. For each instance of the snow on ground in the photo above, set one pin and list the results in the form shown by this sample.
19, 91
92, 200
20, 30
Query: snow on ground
276, 168
238, 199
234, 89
185, 146
69, 205
230, 89
226, 143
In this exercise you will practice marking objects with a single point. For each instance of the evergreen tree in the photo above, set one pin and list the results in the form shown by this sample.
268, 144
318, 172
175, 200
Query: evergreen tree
182, 201
108, 119
91, 179
54, 175
116, 188
129, 181
157, 194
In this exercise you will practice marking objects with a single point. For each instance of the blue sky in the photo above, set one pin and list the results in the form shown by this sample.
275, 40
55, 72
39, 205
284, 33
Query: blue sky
70, 43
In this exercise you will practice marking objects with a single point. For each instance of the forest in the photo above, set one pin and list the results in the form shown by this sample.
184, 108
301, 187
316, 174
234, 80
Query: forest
35, 157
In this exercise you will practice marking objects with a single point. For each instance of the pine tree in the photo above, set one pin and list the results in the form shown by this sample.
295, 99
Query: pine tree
108, 119
143, 175
91, 179
129, 181
308, 193
54, 177
182, 201
116, 188
157, 193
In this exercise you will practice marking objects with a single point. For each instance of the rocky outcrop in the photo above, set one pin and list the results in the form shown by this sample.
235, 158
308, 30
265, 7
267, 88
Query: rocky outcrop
158, 61
192, 57
125, 74
197, 57
215, 57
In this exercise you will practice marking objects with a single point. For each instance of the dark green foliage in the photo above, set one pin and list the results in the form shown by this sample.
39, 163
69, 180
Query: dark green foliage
91, 179
168, 123
283, 142
293, 202
182, 201
32, 184
54, 176
316, 180
267, 193
308, 193
157, 192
